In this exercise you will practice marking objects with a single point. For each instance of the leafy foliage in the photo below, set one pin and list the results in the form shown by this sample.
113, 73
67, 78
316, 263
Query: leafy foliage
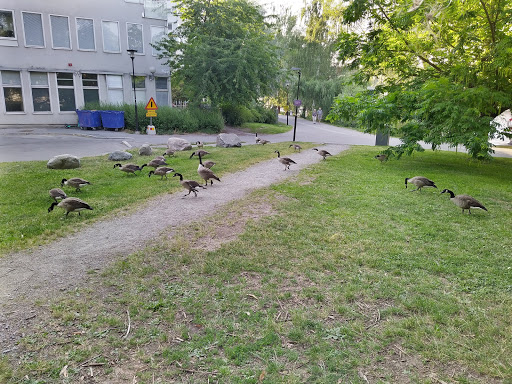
442, 69
169, 120
221, 52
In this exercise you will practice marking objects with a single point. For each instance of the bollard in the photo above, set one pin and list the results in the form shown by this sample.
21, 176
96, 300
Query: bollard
150, 130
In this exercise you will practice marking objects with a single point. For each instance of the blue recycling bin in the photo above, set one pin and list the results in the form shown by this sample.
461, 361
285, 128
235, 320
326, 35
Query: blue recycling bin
112, 119
88, 119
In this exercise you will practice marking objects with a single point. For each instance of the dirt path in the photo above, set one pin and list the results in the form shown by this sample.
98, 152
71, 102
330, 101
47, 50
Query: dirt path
63, 264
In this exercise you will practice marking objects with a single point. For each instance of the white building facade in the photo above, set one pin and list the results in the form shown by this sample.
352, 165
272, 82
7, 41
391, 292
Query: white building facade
56, 56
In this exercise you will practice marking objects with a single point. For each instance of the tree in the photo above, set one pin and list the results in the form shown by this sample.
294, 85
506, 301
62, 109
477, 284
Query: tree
222, 51
313, 51
442, 67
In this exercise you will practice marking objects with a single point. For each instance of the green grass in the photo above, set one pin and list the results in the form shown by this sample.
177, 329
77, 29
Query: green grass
339, 275
25, 222
266, 128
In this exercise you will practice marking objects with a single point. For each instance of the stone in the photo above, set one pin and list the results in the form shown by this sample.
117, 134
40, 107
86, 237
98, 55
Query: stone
227, 140
63, 162
145, 150
120, 156
178, 144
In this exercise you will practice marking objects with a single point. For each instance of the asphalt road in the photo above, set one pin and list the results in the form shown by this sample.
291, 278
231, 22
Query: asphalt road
42, 143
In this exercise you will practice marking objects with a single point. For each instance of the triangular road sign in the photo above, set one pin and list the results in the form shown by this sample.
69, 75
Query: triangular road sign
151, 105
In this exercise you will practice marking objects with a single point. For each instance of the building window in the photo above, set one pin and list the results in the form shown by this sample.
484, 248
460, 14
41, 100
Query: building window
85, 34
135, 40
111, 36
155, 9
33, 28
115, 89
60, 32
162, 91
157, 34
90, 86
66, 89
140, 88
7, 30
40, 91
11, 81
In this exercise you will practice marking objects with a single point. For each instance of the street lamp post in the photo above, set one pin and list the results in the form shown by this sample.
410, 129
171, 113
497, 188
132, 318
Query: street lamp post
287, 101
132, 56
296, 103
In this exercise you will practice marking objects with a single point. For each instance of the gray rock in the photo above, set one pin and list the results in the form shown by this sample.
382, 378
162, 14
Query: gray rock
63, 162
120, 156
145, 150
227, 140
178, 144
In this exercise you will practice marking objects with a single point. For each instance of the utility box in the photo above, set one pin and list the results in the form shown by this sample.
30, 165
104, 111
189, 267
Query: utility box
382, 138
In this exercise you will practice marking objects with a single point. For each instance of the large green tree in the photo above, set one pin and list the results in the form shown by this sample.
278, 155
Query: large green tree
442, 69
222, 51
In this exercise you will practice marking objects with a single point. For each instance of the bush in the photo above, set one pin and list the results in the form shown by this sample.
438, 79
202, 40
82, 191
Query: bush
169, 120
236, 115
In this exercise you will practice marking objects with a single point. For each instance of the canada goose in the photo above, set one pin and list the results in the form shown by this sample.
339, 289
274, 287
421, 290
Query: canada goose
71, 204
159, 158
206, 173
168, 152
257, 139
419, 182
129, 168
199, 144
464, 201
262, 141
57, 194
199, 153
209, 164
382, 157
295, 147
189, 185
75, 182
285, 160
322, 152
161, 171
155, 163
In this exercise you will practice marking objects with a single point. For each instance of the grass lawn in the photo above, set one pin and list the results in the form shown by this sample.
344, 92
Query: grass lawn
24, 217
266, 128
342, 276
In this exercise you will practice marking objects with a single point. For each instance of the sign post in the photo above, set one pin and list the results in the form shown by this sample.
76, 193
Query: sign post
151, 108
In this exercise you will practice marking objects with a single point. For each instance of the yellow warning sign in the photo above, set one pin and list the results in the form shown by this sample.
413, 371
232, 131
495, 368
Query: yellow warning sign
151, 105
150, 113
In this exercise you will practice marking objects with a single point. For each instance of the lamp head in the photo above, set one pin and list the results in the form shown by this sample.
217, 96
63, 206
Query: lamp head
131, 52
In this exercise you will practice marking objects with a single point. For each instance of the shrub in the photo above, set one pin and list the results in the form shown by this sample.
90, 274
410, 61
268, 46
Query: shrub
169, 120
236, 115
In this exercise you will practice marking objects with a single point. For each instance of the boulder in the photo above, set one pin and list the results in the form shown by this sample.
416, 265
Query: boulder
178, 144
63, 162
145, 150
120, 156
227, 140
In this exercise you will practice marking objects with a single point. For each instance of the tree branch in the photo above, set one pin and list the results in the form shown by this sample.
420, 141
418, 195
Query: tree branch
492, 25
422, 58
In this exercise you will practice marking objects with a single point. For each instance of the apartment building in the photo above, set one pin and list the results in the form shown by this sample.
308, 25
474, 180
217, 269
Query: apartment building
57, 55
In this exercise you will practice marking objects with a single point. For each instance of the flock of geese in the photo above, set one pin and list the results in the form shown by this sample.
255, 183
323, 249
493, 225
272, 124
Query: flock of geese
161, 168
